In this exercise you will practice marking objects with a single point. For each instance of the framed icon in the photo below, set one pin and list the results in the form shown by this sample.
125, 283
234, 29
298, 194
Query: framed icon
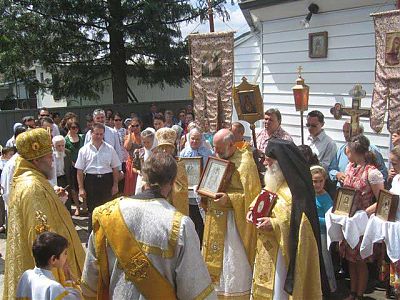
248, 102
392, 49
194, 168
386, 206
344, 202
318, 44
215, 177
211, 64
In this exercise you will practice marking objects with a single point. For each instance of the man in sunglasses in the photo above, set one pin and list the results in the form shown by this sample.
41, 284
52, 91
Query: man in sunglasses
44, 113
320, 143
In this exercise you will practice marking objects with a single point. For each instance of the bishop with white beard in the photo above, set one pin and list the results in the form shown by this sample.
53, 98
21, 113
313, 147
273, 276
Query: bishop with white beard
288, 241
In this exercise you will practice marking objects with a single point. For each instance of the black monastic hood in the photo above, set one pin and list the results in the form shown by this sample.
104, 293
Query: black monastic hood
298, 177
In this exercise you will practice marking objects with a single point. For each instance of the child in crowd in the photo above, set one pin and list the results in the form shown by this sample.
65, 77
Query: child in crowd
6, 154
324, 203
50, 251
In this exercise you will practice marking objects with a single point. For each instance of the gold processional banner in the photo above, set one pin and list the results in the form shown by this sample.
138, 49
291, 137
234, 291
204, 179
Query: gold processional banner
386, 94
211, 57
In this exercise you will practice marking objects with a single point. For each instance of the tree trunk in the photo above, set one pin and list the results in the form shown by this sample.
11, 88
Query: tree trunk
117, 53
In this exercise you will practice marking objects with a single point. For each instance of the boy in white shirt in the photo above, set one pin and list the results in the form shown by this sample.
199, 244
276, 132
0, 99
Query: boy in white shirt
50, 251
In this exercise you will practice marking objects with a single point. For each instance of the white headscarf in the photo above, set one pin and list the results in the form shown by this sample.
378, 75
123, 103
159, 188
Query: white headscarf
147, 152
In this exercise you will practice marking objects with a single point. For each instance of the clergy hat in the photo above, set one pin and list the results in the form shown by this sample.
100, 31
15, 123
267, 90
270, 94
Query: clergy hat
166, 136
33, 144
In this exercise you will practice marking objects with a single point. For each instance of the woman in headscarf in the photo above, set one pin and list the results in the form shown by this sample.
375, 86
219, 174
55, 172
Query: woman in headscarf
149, 142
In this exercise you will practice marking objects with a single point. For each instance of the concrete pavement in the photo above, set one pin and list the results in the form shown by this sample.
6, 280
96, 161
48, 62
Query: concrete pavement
81, 225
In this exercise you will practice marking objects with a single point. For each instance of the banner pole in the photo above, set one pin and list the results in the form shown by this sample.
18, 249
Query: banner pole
211, 16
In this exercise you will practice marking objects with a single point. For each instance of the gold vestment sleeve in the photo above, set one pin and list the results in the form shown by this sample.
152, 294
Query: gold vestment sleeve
179, 196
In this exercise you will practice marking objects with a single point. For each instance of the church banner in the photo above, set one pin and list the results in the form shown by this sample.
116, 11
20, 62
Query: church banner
386, 94
211, 57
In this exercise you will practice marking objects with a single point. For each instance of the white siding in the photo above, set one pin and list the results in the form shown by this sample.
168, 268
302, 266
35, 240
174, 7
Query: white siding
247, 64
351, 60
247, 59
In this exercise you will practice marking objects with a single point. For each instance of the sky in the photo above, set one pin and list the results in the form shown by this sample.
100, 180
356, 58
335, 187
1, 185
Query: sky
237, 23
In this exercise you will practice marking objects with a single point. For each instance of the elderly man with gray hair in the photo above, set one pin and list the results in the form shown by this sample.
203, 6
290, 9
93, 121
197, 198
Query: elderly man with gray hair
63, 166
196, 148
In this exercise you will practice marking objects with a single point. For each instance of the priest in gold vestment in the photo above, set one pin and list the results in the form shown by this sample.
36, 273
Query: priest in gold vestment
289, 262
229, 242
141, 247
179, 196
31, 193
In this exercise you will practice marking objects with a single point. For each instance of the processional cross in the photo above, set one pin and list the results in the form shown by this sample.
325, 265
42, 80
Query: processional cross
355, 112
299, 69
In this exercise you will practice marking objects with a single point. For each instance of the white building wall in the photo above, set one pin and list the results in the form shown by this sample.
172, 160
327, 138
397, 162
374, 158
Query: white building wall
44, 97
247, 61
351, 60
144, 93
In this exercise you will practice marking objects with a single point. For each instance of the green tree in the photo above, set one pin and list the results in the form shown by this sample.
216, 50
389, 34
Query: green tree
82, 43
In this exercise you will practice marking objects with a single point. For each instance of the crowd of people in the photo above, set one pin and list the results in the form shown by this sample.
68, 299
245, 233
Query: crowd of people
148, 227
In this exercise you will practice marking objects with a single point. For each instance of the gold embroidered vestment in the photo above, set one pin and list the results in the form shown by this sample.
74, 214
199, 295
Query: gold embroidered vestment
307, 284
242, 189
31, 192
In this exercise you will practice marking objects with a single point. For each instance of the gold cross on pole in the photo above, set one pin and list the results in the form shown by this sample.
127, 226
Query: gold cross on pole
299, 70
355, 112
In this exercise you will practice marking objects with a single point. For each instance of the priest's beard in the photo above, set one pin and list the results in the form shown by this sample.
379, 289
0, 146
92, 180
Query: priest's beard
46, 168
59, 154
273, 177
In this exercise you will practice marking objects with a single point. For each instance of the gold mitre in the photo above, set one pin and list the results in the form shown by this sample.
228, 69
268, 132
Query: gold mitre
166, 136
33, 144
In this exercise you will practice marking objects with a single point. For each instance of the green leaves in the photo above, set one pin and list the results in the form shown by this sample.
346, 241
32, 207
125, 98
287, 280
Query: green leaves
83, 42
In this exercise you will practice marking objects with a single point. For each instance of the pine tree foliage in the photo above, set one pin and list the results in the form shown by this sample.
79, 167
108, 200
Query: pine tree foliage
84, 43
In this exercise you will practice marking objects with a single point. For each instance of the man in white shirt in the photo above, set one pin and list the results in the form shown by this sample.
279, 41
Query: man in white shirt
8, 170
100, 163
110, 135
321, 144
